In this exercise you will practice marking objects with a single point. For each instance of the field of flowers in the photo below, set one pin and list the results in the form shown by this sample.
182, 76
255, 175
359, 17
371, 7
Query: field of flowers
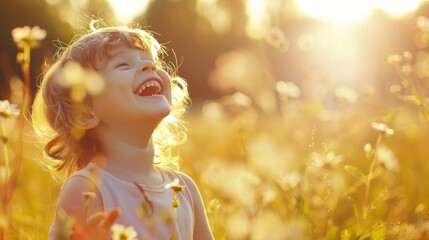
270, 162
294, 175
301, 173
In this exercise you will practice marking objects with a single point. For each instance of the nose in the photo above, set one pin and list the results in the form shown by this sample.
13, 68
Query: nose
148, 66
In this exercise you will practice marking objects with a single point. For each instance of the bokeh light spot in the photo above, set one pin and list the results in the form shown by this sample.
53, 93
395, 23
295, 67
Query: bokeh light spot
126, 10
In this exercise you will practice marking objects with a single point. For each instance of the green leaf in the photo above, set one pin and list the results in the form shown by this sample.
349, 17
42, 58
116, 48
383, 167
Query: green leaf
346, 235
379, 233
306, 206
365, 214
413, 98
173, 236
355, 172
364, 236
425, 113
332, 232
356, 211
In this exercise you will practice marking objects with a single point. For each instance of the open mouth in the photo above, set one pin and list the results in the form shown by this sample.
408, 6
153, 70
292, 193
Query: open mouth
149, 88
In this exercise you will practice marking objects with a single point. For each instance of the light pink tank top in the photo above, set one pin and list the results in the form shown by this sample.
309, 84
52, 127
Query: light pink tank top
116, 192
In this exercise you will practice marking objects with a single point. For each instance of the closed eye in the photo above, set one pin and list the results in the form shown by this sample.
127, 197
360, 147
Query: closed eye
122, 65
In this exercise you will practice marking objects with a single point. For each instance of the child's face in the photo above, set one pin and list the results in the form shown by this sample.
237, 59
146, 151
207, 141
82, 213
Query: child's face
135, 89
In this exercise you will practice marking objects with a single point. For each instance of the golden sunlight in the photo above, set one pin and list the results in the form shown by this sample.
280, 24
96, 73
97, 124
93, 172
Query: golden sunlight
398, 7
258, 20
345, 11
126, 10
218, 17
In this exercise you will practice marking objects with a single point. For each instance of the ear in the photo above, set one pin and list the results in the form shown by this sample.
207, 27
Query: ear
90, 120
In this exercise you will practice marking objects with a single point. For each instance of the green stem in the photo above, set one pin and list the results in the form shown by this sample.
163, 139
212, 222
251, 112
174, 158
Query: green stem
25, 67
370, 176
173, 225
5, 147
5, 182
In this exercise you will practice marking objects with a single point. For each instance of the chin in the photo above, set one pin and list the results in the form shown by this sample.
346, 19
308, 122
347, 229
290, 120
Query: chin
161, 113
164, 114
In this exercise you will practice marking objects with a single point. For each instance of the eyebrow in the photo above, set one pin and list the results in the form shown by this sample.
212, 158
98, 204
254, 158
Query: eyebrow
114, 53
121, 53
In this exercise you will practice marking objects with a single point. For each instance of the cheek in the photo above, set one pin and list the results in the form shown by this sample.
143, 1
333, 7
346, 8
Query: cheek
117, 86
168, 88
100, 102
111, 96
167, 82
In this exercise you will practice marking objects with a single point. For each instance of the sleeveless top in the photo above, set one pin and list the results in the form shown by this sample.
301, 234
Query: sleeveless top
115, 192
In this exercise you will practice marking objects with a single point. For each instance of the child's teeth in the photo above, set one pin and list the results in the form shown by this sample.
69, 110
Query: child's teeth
151, 83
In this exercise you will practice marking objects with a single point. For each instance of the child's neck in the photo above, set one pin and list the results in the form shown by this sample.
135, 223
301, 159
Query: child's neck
131, 162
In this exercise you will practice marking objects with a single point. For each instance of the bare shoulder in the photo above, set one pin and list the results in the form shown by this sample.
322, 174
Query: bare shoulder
202, 227
78, 191
189, 182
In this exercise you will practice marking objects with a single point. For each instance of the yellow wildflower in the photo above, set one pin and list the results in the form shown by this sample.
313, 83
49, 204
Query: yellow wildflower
386, 157
288, 89
120, 232
213, 206
26, 35
175, 186
81, 81
330, 159
346, 93
8, 110
382, 128
88, 195
291, 179
394, 58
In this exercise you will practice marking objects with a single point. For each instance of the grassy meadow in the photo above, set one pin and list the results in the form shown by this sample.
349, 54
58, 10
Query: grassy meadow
282, 176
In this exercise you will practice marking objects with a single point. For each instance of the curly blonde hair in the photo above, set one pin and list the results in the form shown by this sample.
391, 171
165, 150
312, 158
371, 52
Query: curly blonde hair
55, 113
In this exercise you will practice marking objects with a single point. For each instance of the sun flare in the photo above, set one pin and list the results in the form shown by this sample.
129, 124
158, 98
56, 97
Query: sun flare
126, 10
344, 11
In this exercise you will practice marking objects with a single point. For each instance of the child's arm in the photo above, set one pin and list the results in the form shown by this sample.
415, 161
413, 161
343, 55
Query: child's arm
202, 228
87, 211
72, 196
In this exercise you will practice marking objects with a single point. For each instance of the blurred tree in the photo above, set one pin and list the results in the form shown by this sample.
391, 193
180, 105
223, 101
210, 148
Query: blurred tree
197, 38
18, 13
193, 40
